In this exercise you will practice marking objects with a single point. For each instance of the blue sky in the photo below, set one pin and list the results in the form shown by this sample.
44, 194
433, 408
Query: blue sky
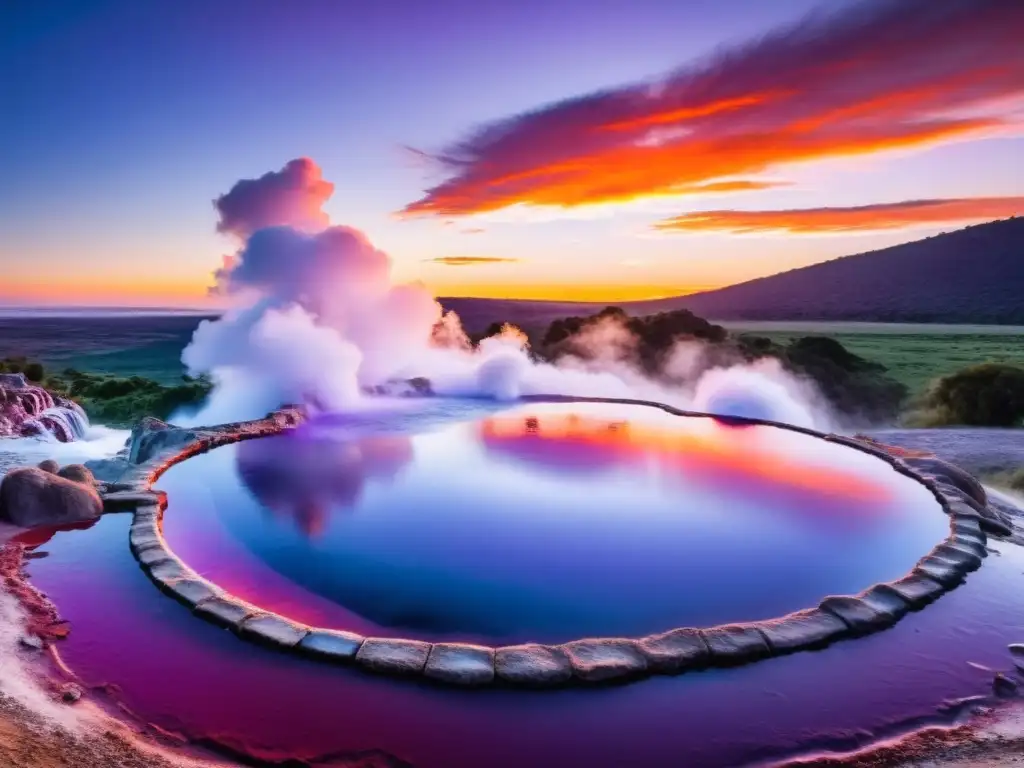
129, 118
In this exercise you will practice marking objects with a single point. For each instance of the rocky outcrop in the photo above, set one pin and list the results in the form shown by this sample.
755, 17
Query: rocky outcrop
394, 657
532, 665
460, 664
414, 387
77, 473
605, 659
31, 497
151, 437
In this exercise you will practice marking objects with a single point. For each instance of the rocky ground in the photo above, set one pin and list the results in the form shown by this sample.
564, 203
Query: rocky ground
40, 729
29, 740
993, 739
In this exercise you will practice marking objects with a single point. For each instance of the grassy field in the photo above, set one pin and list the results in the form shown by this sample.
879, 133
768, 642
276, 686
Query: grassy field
151, 346
915, 358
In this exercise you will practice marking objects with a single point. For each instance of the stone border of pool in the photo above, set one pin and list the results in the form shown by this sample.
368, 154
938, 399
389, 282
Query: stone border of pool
589, 660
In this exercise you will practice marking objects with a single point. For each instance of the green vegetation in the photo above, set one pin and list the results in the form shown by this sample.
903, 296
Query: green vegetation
987, 395
119, 401
114, 400
33, 371
1011, 481
917, 359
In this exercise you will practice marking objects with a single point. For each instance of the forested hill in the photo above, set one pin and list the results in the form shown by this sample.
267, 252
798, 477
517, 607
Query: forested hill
973, 275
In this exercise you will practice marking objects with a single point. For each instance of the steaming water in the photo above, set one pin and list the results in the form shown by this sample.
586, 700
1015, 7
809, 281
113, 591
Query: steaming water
95, 442
194, 678
73, 420
542, 522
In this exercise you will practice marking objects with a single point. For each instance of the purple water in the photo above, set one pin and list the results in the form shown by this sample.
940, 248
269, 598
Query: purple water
547, 522
185, 675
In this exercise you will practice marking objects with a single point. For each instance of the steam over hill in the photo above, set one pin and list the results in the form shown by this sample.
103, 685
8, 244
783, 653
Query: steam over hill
973, 275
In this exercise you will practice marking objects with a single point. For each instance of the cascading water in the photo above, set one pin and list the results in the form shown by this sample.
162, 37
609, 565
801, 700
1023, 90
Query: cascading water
64, 423
27, 410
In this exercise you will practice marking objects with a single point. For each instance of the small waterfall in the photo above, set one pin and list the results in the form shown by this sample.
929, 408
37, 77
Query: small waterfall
27, 410
65, 423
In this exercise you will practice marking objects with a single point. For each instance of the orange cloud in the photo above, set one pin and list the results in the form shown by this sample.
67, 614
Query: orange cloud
605, 293
909, 213
740, 185
469, 261
887, 75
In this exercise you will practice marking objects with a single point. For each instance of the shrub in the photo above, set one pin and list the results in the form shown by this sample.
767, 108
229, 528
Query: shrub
34, 372
986, 395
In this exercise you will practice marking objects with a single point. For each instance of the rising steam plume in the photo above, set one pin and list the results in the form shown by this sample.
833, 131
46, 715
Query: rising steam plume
317, 319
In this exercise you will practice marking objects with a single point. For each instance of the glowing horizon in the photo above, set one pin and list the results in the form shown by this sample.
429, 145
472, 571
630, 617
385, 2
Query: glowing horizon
774, 138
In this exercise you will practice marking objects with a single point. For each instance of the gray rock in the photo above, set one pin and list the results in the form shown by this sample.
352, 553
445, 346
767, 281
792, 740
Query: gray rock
1017, 652
393, 656
804, 629
600, 659
273, 630
989, 520
915, 588
147, 514
968, 525
144, 537
191, 591
224, 611
532, 665
70, 693
951, 494
996, 527
169, 570
940, 569
977, 543
152, 556
330, 644
460, 664
675, 651
955, 548
950, 473
886, 601
123, 500
867, 612
77, 473
31, 497
108, 470
32, 641
736, 643
49, 465
151, 438
1004, 686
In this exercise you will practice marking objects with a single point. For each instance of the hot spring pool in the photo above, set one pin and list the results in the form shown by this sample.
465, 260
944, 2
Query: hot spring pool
542, 522
458, 499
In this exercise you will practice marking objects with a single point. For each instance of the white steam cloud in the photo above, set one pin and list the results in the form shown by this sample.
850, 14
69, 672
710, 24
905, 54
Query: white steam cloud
321, 322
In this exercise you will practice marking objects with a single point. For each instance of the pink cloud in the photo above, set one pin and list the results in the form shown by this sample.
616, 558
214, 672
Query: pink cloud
293, 196
882, 75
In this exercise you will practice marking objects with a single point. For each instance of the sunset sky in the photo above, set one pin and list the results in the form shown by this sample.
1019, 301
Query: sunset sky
564, 149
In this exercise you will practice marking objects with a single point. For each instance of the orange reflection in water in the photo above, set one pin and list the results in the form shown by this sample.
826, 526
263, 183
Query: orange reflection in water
721, 447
